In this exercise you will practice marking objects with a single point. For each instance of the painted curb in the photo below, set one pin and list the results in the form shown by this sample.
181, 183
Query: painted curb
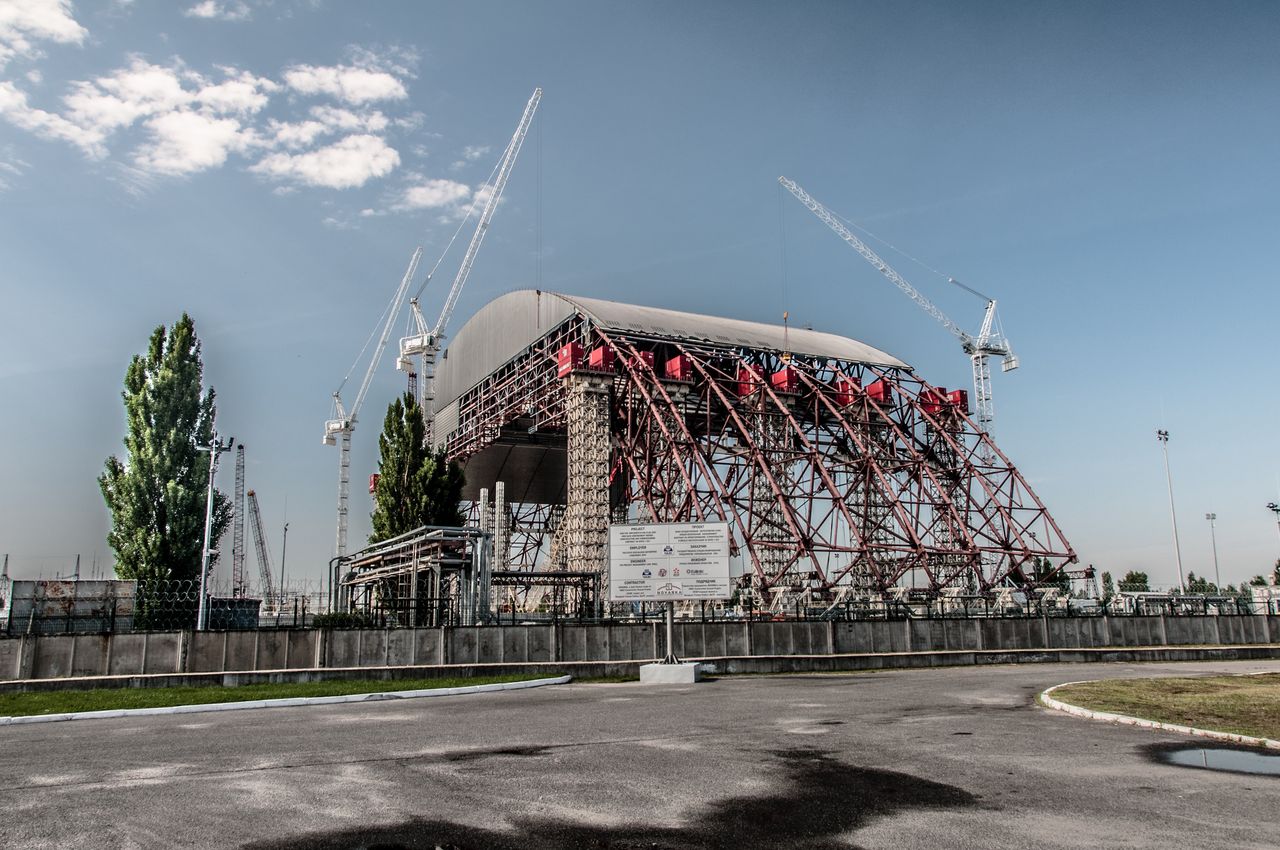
1089, 714
287, 702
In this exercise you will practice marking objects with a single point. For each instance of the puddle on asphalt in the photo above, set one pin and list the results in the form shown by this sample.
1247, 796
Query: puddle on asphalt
1223, 758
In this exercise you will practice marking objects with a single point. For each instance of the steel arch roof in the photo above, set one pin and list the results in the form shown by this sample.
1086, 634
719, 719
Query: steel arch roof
507, 325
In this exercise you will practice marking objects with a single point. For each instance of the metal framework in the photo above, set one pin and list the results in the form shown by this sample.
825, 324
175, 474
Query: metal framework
429, 577
833, 474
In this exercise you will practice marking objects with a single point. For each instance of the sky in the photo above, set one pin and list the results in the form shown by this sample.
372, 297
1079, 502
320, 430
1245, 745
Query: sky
1107, 171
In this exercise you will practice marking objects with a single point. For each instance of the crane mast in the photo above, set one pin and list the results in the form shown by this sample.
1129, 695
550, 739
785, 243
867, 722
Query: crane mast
238, 581
338, 430
426, 342
264, 557
979, 348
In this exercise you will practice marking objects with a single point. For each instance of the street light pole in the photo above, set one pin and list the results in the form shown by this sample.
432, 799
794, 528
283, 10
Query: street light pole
214, 449
1275, 509
1163, 437
1213, 538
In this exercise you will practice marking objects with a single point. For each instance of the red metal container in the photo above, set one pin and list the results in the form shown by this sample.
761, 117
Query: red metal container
642, 359
373, 483
679, 368
786, 380
933, 400
847, 390
749, 379
880, 392
959, 398
601, 359
568, 358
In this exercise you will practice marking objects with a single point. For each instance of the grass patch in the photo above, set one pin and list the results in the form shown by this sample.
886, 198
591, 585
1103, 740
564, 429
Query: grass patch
1245, 705
102, 699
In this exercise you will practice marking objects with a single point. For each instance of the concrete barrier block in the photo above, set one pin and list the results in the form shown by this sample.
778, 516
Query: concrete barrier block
241, 648
273, 647
427, 646
514, 643
462, 645
205, 652
762, 641
52, 657
125, 655
596, 643
737, 639
400, 647
300, 647
344, 648
91, 656
10, 658
539, 643
488, 645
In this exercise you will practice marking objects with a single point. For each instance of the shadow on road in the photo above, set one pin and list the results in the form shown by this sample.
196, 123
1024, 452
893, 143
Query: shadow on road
822, 798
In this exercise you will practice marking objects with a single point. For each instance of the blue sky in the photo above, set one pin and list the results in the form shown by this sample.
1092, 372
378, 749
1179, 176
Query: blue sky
1108, 171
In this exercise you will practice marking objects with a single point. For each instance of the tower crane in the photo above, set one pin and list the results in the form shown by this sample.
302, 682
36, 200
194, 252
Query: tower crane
237, 528
264, 557
425, 343
987, 342
338, 429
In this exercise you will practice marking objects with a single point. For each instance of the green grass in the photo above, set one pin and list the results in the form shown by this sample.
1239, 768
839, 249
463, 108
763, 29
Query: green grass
1244, 705
102, 699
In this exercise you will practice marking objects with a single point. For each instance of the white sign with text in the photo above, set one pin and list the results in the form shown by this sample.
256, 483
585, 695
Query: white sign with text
661, 561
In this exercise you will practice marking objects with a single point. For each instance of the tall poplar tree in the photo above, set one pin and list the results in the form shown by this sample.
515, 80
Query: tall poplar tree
156, 495
416, 486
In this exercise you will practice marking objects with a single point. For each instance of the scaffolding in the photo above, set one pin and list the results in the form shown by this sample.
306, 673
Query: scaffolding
840, 471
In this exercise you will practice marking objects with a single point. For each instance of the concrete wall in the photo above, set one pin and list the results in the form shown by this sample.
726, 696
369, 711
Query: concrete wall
57, 656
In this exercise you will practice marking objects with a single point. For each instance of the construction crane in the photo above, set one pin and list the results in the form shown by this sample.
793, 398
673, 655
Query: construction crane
264, 557
425, 343
338, 429
987, 342
238, 581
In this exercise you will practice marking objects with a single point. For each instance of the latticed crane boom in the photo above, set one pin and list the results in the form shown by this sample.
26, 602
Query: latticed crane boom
264, 556
338, 430
987, 342
425, 343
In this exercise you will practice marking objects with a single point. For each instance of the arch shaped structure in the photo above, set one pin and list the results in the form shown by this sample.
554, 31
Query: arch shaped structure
834, 464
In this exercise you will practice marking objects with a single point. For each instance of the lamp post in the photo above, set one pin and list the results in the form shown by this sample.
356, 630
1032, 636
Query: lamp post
1275, 509
1163, 436
214, 449
1213, 539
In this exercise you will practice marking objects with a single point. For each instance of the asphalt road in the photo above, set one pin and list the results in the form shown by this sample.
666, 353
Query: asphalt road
901, 759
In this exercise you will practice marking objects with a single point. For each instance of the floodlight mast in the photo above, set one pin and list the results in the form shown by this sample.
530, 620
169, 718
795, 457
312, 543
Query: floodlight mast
987, 342
338, 430
425, 343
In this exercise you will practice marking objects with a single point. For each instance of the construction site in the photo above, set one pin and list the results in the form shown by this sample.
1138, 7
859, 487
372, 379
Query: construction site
844, 475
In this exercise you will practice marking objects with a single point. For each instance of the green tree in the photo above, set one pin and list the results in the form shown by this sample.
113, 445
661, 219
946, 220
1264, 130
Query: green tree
1108, 586
156, 495
1046, 575
416, 486
1200, 584
1135, 582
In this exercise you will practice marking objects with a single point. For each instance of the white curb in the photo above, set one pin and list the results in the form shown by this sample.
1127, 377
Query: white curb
283, 703
1142, 723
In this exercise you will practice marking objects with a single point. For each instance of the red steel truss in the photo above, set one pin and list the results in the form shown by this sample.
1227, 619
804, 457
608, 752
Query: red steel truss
830, 473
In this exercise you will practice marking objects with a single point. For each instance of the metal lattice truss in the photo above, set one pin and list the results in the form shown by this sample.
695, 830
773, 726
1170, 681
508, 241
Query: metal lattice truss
831, 474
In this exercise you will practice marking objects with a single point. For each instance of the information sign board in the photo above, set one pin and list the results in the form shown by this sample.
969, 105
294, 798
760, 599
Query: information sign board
661, 561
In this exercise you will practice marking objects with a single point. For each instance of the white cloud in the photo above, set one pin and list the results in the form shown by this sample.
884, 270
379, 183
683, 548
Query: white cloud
346, 164
25, 22
187, 142
337, 118
122, 98
473, 152
48, 125
240, 94
432, 194
213, 10
35, 77
10, 167
345, 82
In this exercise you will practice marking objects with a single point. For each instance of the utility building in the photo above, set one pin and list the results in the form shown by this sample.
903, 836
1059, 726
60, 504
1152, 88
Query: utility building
835, 465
